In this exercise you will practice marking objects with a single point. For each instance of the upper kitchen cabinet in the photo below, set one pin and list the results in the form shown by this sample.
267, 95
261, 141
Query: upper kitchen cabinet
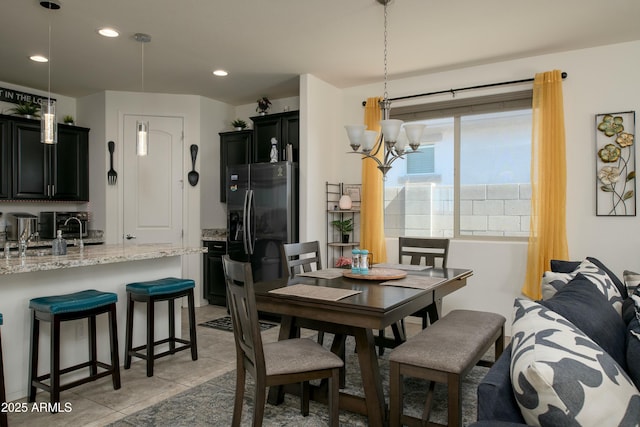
284, 127
235, 149
49, 172
5, 158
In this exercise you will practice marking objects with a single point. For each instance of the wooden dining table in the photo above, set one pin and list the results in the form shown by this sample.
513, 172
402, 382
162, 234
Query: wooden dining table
373, 307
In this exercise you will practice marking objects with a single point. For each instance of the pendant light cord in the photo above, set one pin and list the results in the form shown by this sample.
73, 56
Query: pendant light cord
142, 46
49, 70
386, 95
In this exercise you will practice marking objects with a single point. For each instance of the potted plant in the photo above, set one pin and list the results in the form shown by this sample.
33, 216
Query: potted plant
344, 227
26, 109
68, 120
239, 124
263, 105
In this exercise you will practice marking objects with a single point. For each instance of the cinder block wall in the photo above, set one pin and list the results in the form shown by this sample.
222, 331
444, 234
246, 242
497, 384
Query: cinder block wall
423, 209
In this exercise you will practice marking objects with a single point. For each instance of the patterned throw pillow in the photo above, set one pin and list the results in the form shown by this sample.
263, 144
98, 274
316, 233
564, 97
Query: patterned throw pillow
561, 377
552, 282
603, 282
631, 280
560, 266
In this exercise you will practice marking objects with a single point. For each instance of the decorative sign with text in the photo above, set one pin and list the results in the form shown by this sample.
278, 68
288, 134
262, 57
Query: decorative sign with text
17, 97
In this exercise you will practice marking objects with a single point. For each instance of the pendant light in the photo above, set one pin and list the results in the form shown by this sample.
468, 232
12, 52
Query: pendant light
142, 127
48, 122
390, 140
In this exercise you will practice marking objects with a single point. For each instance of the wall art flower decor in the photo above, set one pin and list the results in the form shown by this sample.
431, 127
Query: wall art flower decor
615, 164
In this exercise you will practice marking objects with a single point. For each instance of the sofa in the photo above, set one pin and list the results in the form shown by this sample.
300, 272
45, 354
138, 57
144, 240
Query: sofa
574, 356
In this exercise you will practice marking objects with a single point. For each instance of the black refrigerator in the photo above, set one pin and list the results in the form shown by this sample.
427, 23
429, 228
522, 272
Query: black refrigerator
262, 214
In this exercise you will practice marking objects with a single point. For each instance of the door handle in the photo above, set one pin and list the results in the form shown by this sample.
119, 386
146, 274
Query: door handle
129, 237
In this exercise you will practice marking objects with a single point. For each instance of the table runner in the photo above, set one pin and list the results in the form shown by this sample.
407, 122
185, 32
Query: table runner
315, 292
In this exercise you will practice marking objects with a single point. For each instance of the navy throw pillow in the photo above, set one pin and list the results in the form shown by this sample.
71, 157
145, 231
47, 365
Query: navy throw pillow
587, 308
561, 266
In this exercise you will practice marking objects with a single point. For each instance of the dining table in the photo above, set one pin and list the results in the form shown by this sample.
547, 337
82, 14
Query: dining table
330, 301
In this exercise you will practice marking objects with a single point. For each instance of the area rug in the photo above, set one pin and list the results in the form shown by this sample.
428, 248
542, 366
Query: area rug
211, 403
224, 324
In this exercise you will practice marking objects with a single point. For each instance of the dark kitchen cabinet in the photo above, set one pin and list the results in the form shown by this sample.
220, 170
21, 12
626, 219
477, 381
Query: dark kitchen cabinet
235, 149
215, 290
49, 172
284, 127
5, 159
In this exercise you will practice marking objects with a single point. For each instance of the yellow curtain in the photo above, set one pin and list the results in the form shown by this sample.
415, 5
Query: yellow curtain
548, 233
372, 206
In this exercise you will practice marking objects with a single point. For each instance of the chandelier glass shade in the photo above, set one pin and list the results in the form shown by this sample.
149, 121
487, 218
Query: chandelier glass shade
142, 138
48, 122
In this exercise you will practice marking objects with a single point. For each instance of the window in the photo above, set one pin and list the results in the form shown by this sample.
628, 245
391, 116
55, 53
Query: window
421, 161
471, 176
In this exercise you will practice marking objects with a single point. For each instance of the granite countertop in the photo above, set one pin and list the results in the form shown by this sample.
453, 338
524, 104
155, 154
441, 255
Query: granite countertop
214, 234
41, 260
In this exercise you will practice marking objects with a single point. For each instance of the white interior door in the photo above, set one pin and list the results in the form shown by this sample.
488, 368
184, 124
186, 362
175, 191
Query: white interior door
153, 184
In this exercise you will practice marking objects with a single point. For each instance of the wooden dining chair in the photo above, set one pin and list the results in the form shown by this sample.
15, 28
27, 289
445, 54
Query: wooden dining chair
432, 252
302, 257
297, 360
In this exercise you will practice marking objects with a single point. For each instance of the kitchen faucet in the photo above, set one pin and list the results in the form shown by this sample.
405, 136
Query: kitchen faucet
81, 245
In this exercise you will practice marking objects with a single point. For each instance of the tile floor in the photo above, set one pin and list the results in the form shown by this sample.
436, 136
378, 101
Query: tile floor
98, 404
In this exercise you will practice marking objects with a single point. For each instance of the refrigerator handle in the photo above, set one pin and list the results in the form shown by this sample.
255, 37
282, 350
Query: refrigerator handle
245, 208
250, 210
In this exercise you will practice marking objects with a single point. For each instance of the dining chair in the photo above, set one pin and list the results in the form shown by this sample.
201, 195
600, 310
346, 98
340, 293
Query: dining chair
303, 258
296, 264
296, 360
434, 252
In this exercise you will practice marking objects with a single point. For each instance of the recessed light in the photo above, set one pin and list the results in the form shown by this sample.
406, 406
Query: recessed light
38, 58
220, 73
108, 32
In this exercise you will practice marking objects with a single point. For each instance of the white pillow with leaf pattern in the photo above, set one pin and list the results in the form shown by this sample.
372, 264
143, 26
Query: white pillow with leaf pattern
561, 377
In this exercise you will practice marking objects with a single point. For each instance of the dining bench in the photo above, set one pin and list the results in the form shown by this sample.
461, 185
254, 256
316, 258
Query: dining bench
443, 353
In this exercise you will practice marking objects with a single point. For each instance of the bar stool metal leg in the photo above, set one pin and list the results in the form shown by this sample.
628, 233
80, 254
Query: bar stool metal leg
150, 336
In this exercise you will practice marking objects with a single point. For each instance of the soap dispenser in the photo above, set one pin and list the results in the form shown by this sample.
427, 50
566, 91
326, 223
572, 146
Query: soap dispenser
59, 245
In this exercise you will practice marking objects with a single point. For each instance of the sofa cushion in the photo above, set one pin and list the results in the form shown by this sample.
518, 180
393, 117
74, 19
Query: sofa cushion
496, 401
583, 304
631, 280
560, 266
561, 377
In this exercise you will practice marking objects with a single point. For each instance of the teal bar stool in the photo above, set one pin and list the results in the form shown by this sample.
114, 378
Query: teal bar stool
3, 393
60, 308
167, 289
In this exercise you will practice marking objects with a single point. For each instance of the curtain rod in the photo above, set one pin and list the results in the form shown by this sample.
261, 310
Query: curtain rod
453, 91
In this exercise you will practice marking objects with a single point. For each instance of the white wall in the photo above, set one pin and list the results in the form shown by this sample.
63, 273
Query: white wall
594, 85
217, 117
320, 125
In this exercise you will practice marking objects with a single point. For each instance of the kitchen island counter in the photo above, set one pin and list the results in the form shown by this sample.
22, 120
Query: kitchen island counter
92, 255
107, 268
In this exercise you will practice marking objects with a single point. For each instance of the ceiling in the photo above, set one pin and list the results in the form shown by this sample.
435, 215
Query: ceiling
266, 44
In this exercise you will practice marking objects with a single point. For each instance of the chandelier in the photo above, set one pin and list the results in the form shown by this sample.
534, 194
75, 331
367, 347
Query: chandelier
391, 139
